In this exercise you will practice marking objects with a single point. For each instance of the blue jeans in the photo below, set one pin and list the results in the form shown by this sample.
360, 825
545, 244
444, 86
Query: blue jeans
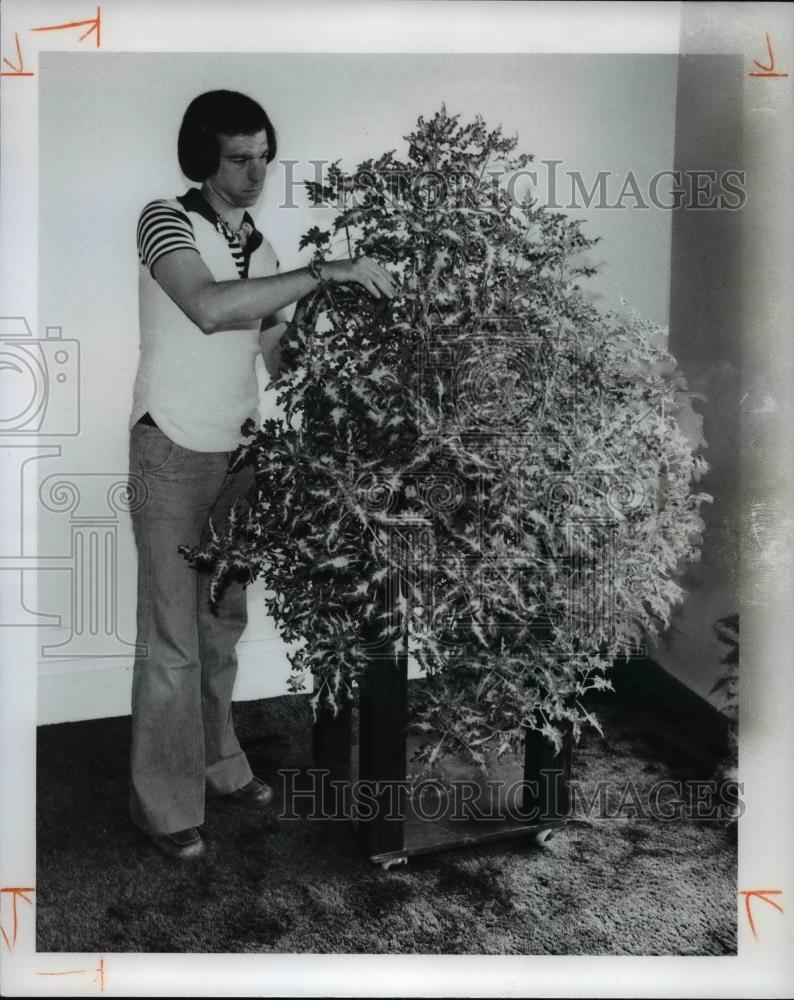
183, 740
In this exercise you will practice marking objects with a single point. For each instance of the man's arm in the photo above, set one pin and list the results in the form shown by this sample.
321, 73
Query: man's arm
222, 305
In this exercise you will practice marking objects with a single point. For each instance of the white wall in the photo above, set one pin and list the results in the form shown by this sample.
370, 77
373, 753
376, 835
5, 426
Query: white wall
108, 126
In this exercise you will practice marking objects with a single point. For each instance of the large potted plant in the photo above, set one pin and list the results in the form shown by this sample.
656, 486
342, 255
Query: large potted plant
487, 469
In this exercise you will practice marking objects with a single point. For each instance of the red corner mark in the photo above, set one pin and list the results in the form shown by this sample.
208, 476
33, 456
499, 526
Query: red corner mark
16, 70
759, 894
16, 893
94, 25
770, 69
98, 978
69, 972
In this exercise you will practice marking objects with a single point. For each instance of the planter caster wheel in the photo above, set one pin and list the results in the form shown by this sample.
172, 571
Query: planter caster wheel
393, 863
542, 837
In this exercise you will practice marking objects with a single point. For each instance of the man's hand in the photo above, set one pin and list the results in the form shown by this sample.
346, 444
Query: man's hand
364, 271
272, 330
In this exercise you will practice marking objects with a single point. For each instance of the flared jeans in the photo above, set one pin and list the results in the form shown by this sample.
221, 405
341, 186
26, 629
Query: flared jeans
183, 741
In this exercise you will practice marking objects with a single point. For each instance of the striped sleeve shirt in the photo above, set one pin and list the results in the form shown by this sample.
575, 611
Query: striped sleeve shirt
162, 229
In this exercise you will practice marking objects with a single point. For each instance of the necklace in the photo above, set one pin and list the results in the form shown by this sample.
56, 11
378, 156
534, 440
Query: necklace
240, 234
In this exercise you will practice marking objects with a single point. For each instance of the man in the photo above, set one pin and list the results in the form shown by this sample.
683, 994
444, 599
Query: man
209, 289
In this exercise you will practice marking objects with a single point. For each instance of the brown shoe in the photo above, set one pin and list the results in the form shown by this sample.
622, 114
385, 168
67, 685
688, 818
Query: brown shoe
184, 845
255, 793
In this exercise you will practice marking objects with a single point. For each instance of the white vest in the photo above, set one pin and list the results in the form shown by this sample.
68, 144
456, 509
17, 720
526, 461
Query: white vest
199, 388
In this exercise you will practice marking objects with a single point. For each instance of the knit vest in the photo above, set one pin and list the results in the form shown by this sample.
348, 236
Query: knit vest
198, 387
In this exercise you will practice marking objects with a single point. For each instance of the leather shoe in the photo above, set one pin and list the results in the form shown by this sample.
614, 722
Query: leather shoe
184, 845
254, 793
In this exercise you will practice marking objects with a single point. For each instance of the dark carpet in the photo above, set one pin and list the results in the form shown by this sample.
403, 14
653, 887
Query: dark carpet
625, 886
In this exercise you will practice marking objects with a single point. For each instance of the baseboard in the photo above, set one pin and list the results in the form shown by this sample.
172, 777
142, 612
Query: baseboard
95, 688
75, 690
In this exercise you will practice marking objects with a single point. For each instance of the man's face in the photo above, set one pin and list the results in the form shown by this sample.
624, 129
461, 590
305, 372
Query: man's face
241, 168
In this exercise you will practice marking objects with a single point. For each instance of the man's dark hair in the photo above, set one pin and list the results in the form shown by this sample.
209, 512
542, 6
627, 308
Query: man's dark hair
218, 112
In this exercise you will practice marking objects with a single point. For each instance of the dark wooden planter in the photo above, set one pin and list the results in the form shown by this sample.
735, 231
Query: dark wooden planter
369, 743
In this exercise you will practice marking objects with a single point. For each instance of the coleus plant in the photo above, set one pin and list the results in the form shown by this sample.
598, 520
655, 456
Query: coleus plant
486, 471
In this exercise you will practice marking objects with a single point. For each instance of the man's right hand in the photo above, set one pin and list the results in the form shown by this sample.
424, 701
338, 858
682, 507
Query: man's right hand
364, 271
